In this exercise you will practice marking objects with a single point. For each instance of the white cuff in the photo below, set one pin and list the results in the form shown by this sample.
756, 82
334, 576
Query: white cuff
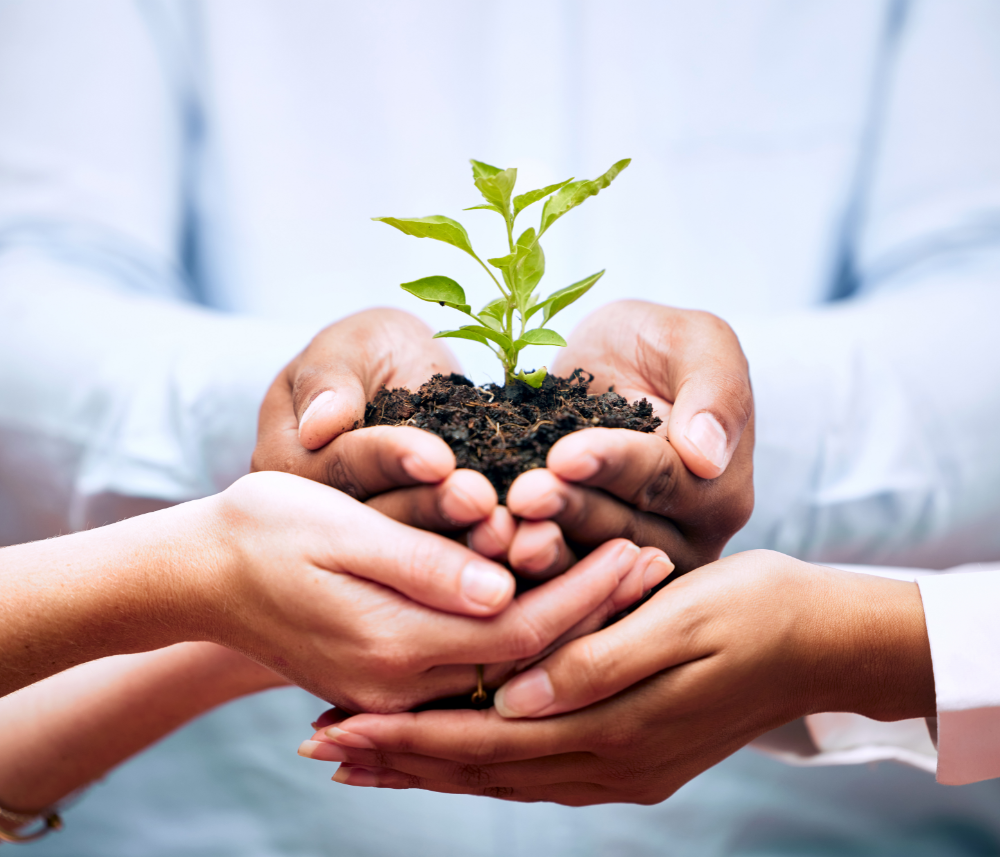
961, 613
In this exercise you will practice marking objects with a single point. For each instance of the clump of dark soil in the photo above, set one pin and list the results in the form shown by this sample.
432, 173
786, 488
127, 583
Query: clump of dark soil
503, 431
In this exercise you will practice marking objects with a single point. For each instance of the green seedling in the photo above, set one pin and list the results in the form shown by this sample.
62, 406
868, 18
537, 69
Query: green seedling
501, 325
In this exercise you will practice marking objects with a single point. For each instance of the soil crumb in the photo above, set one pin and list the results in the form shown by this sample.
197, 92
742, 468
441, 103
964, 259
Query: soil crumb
503, 431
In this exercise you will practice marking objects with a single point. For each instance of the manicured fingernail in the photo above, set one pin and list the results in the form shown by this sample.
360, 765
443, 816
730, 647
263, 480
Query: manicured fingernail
321, 403
525, 695
351, 775
322, 751
485, 584
659, 570
708, 437
349, 739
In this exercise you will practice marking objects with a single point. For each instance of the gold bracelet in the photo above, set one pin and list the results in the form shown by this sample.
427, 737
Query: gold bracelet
49, 817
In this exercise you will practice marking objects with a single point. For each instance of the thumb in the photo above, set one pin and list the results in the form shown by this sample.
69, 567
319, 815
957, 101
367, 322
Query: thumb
347, 363
713, 400
595, 667
327, 405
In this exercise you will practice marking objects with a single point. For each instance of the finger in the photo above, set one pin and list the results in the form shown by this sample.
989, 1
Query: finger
537, 618
647, 473
464, 736
538, 550
462, 499
360, 463
338, 374
549, 770
598, 666
426, 567
588, 517
567, 793
492, 537
709, 382
651, 569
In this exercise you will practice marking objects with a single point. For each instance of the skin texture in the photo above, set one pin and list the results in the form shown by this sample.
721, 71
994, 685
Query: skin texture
716, 659
601, 483
118, 705
306, 581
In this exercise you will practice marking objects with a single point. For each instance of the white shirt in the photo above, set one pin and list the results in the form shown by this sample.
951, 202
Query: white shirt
185, 193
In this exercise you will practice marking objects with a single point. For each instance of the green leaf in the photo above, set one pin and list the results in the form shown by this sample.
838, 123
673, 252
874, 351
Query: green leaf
562, 298
539, 336
496, 308
533, 379
442, 290
490, 206
522, 201
462, 334
574, 193
530, 270
437, 226
491, 322
481, 170
499, 338
502, 262
527, 237
496, 189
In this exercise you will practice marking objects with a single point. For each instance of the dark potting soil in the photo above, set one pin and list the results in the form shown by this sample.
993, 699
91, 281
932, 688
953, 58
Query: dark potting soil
503, 431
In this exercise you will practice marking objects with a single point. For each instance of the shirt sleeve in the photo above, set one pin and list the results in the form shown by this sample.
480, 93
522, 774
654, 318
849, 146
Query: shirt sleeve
114, 381
875, 412
961, 611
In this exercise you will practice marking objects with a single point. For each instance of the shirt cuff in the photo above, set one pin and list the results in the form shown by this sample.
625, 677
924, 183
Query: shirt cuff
961, 614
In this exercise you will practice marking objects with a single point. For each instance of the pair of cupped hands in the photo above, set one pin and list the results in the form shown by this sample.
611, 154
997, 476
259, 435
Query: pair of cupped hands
408, 586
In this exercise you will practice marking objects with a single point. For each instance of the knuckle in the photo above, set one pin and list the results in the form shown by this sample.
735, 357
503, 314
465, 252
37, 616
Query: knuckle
424, 563
472, 775
655, 495
498, 791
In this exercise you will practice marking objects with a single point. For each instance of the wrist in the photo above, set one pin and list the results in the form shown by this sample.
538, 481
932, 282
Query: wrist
880, 638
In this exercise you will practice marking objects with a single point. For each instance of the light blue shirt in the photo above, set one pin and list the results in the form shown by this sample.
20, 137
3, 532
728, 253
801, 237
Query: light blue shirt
185, 193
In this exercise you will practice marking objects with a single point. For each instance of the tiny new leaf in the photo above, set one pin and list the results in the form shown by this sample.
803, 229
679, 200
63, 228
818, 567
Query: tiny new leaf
533, 379
574, 193
437, 226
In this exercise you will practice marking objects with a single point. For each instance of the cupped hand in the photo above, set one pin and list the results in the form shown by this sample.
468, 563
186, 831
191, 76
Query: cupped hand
633, 712
375, 615
687, 488
307, 414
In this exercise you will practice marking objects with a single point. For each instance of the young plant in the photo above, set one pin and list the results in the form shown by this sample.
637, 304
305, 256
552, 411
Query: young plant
501, 325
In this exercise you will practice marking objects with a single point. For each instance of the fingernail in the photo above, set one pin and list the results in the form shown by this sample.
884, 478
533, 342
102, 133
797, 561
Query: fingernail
659, 570
484, 584
322, 751
349, 739
351, 775
585, 465
525, 695
320, 403
708, 437
548, 505
418, 468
